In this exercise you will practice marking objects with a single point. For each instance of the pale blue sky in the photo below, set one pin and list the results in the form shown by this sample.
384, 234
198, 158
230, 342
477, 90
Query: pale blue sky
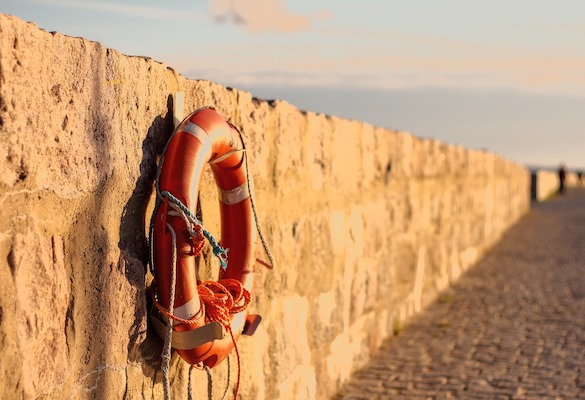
506, 75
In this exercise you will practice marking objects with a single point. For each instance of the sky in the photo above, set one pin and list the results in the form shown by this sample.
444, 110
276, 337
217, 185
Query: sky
507, 76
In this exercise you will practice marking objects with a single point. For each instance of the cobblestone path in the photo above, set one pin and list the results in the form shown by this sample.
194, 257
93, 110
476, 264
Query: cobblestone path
513, 327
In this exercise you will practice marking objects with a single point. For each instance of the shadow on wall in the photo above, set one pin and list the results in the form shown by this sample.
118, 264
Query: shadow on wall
133, 242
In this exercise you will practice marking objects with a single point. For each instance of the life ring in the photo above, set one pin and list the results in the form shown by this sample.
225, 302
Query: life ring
204, 137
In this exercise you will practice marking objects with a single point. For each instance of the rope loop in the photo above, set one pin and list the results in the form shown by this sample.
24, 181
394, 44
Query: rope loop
196, 318
222, 298
197, 240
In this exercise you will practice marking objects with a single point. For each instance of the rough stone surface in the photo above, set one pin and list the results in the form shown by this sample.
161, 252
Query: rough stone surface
367, 226
513, 327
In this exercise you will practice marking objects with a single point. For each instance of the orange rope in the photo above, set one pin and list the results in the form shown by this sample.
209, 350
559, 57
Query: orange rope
196, 318
198, 241
264, 263
237, 388
218, 299
222, 299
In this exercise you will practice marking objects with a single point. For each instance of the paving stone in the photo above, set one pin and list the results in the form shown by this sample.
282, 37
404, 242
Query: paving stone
513, 327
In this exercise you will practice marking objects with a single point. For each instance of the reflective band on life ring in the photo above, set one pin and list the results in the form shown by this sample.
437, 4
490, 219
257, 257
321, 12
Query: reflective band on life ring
204, 137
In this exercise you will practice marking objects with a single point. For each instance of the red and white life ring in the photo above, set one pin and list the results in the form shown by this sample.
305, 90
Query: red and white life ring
204, 137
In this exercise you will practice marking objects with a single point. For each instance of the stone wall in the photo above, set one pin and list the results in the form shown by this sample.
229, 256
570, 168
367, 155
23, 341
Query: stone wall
367, 226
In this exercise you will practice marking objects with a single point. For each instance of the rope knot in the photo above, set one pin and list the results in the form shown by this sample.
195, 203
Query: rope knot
197, 240
194, 226
222, 298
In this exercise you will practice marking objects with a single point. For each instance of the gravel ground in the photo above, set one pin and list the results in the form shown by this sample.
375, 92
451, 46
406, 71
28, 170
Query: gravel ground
513, 327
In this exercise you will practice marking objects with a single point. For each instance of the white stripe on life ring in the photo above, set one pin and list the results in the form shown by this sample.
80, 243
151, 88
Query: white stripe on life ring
187, 310
196, 131
235, 195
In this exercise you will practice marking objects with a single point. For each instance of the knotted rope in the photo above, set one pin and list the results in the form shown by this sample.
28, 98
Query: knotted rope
222, 298
192, 221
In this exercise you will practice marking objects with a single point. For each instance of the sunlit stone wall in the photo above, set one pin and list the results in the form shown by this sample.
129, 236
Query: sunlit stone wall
367, 226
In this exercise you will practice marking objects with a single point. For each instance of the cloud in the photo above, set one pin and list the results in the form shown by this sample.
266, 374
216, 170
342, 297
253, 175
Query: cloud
261, 15
387, 59
529, 74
